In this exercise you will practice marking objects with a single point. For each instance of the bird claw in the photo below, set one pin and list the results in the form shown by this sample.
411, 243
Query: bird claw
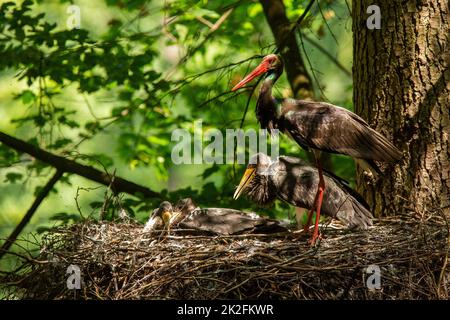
306, 228
312, 242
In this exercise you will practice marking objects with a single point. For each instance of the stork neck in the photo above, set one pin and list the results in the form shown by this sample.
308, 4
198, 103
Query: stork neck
266, 88
266, 107
261, 190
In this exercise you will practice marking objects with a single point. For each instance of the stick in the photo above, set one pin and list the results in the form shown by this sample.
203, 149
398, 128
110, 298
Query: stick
40, 197
70, 166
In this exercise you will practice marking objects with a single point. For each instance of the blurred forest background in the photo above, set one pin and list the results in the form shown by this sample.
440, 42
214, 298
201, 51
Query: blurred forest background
109, 95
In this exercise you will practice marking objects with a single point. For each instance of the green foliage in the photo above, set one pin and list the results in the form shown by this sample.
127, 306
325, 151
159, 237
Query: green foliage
154, 78
12, 177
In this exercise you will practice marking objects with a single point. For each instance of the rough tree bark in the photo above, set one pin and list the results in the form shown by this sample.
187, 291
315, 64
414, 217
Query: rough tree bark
402, 88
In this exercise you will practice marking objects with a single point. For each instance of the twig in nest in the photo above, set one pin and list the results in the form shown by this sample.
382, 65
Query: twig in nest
119, 261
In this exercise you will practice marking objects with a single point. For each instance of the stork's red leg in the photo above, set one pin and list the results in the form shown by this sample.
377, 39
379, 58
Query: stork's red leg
316, 226
310, 213
318, 201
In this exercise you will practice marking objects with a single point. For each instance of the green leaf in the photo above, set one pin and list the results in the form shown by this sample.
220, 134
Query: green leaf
200, 12
42, 229
60, 143
65, 217
37, 190
12, 177
182, 31
92, 127
96, 204
27, 96
211, 170
158, 141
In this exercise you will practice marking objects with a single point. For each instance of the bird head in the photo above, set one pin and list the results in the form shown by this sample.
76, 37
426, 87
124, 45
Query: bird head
185, 206
259, 164
160, 217
165, 210
270, 63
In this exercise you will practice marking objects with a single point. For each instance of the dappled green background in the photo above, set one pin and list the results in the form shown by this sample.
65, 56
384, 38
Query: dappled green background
111, 93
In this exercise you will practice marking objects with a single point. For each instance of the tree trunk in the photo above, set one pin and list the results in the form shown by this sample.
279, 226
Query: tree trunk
402, 88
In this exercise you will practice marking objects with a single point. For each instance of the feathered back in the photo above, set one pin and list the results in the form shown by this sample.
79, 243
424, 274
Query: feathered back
330, 128
297, 182
225, 221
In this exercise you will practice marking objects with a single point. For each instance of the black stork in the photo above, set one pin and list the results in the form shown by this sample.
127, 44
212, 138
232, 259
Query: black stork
295, 182
318, 126
188, 218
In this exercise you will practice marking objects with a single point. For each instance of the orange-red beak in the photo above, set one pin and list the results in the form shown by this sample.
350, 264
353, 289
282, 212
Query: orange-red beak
259, 70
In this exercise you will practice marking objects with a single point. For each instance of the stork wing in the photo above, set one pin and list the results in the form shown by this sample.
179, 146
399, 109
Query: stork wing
330, 128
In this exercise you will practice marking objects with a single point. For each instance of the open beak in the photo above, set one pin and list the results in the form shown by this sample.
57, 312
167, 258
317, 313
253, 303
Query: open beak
259, 70
248, 176
174, 217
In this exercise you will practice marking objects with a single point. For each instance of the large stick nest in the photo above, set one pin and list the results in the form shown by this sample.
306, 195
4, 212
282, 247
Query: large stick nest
120, 261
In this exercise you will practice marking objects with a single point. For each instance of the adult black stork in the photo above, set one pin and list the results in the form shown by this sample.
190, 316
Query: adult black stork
187, 217
295, 182
318, 126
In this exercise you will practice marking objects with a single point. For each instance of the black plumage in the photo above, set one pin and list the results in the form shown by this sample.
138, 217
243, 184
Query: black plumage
295, 182
326, 127
318, 125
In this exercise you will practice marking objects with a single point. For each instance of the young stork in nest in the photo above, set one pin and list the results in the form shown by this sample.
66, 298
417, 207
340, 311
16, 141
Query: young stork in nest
187, 217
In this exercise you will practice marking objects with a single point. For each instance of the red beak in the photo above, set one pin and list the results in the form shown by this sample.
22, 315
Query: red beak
259, 70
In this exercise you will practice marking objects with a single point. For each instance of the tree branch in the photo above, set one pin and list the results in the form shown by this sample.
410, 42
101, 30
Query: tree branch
41, 196
70, 166
283, 32
327, 54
